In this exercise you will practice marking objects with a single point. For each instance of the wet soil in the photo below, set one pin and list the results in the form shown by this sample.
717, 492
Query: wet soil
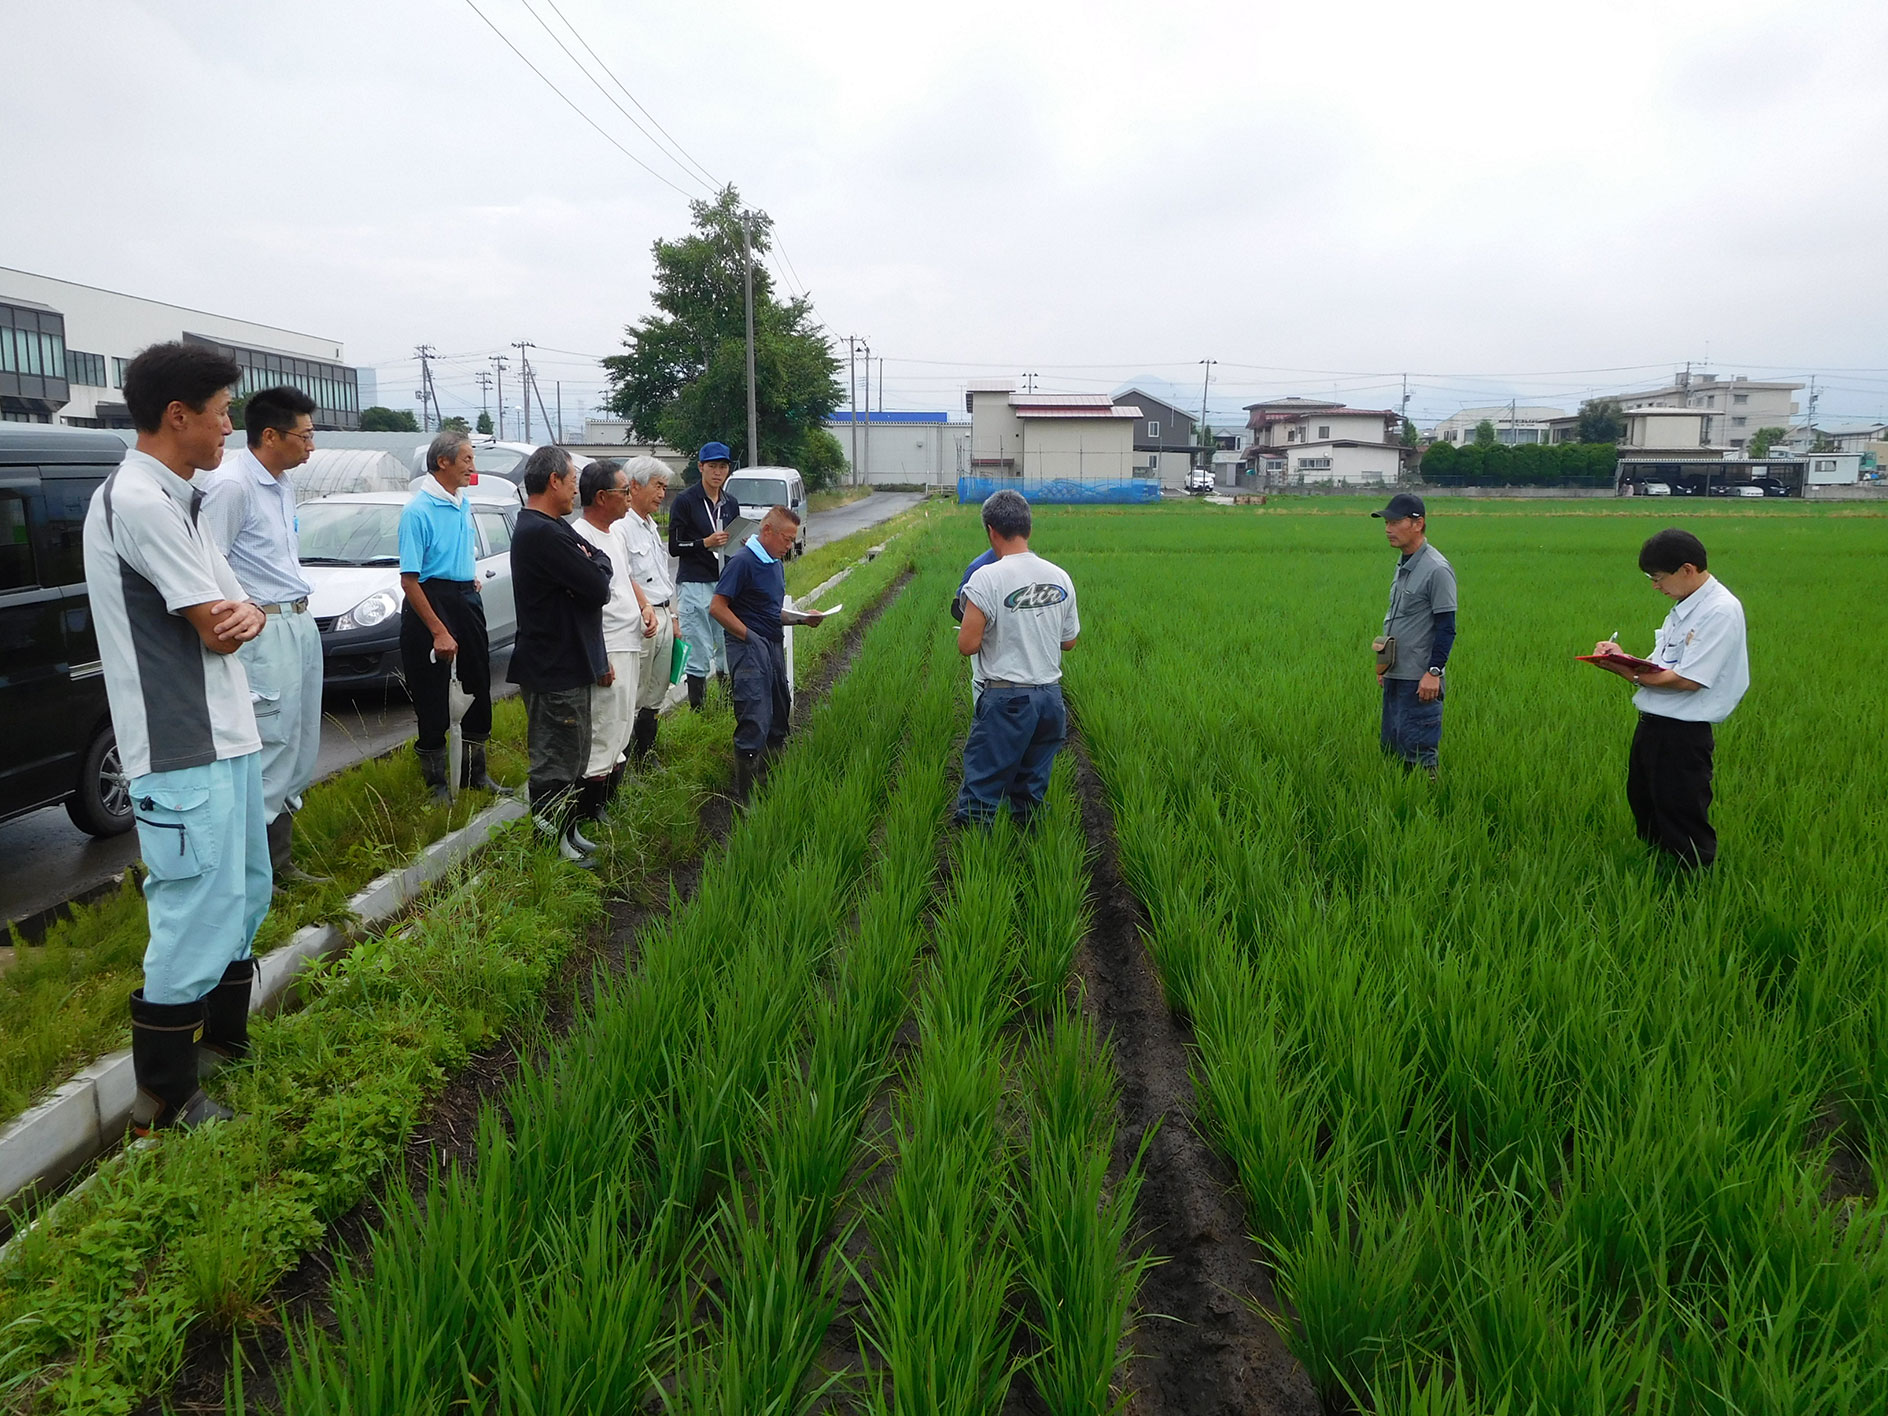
1203, 1348
449, 1135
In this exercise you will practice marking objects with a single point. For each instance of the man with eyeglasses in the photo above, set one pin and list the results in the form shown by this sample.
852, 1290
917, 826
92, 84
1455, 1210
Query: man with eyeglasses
1703, 673
249, 509
628, 622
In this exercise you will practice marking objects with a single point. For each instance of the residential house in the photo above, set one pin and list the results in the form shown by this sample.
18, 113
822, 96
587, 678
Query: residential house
1049, 437
1308, 442
1734, 408
1868, 439
1165, 437
1514, 423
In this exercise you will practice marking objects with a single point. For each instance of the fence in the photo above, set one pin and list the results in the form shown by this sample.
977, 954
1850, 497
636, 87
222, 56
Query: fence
1062, 491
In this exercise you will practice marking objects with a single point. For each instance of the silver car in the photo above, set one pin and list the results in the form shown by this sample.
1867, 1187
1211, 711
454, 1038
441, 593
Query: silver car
351, 555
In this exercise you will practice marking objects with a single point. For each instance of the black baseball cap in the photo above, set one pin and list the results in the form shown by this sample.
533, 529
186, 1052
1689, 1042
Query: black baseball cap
1401, 505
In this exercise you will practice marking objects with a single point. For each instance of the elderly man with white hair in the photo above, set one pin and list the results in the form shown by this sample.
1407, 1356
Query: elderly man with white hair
653, 569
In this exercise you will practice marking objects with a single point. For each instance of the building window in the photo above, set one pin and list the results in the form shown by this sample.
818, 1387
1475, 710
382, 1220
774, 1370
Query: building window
87, 369
1324, 431
118, 371
1314, 464
1740, 398
1153, 428
1738, 421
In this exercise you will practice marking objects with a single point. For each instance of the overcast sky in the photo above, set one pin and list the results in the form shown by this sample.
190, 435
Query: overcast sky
1502, 200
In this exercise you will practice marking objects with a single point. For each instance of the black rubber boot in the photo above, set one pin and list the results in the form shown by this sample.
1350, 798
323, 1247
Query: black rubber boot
697, 691
746, 767
642, 739
593, 799
282, 855
226, 1020
164, 1060
472, 771
612, 784
433, 768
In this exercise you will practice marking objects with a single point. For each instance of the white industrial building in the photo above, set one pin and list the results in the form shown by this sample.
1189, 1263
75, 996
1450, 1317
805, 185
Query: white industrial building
904, 449
1050, 437
64, 347
1514, 423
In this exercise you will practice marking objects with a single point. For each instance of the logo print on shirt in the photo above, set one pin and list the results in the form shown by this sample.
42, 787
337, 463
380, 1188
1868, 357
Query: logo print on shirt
1034, 597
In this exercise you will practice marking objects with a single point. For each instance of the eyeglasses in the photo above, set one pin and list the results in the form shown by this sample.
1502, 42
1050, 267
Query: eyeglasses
1657, 577
307, 436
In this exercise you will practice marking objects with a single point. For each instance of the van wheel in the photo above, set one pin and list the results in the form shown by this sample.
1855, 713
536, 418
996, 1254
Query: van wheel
101, 806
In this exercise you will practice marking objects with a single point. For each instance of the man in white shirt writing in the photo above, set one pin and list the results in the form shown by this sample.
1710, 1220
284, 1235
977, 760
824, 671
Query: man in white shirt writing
1703, 672
1019, 618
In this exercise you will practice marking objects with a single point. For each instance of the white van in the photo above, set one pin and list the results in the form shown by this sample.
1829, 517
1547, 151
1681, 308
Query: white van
758, 488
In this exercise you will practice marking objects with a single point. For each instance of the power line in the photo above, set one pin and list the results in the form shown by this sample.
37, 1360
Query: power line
713, 181
597, 84
571, 104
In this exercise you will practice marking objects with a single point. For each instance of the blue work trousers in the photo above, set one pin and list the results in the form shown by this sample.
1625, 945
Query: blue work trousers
1412, 729
205, 843
763, 699
707, 640
1014, 735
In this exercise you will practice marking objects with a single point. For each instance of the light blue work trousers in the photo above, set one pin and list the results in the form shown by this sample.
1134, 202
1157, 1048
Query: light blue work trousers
284, 667
707, 641
205, 842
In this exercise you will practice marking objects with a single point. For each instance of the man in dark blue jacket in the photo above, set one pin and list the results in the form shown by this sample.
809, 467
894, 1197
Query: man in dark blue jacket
698, 538
561, 583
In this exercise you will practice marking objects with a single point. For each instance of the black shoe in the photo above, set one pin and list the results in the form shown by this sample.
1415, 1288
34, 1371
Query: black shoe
282, 855
746, 773
697, 691
593, 799
472, 771
642, 739
433, 767
164, 1060
226, 1020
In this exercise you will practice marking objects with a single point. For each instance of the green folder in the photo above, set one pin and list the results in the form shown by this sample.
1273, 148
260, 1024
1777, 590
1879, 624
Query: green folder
678, 661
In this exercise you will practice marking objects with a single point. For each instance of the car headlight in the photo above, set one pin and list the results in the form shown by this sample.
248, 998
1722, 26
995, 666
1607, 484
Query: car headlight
369, 612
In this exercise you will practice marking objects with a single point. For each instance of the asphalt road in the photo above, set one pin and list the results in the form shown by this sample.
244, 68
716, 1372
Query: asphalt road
45, 859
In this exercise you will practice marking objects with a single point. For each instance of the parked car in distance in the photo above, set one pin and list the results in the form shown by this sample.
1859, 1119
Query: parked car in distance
1199, 482
759, 488
56, 740
1655, 489
1737, 489
491, 458
1771, 486
351, 555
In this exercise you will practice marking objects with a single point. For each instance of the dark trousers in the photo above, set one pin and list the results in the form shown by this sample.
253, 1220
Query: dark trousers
763, 699
460, 609
1412, 729
557, 734
1668, 787
1011, 749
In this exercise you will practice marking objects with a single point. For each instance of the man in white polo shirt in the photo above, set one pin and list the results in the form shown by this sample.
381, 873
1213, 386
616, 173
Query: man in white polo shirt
627, 621
170, 615
1703, 673
249, 507
653, 569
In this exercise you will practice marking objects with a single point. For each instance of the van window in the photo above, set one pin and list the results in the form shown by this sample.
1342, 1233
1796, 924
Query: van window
758, 491
16, 544
62, 538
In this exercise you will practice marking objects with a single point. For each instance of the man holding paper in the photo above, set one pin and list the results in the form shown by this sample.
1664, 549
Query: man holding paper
1697, 674
747, 604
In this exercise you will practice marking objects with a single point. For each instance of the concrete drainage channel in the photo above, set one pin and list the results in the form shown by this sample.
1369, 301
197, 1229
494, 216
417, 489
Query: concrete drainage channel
48, 1144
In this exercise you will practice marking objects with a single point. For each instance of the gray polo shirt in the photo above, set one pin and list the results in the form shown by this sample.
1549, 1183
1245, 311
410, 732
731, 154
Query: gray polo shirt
1422, 588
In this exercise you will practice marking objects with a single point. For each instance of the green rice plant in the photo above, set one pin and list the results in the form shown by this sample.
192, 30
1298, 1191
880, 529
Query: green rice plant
1055, 909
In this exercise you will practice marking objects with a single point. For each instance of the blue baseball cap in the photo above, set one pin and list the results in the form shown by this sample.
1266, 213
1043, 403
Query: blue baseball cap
714, 452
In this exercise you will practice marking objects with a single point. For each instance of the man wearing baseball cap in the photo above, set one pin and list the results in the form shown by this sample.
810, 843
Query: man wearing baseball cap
698, 534
1418, 633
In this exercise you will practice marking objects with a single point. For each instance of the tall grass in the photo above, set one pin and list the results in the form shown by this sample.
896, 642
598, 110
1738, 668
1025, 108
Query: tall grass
1520, 1118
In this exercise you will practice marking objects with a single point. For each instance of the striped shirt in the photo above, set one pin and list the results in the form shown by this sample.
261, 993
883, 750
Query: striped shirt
174, 702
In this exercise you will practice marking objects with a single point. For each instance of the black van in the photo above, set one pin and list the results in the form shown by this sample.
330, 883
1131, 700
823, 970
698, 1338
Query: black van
56, 742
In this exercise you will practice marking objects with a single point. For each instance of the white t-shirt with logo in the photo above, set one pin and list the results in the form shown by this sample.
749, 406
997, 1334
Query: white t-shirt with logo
1028, 607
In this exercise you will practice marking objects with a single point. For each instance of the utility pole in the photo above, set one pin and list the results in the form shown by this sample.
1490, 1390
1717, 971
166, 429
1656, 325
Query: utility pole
1205, 433
865, 453
560, 412
753, 421
524, 372
852, 397
425, 392
1809, 417
498, 363
484, 380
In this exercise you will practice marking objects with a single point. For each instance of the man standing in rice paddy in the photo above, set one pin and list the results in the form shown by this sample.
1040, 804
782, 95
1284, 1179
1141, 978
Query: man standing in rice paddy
1418, 633
1019, 619
1703, 673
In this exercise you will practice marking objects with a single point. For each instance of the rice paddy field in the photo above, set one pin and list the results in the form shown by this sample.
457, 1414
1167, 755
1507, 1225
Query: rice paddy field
1259, 1077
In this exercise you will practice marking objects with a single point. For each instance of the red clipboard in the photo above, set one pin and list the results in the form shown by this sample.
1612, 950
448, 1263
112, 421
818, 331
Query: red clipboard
1620, 661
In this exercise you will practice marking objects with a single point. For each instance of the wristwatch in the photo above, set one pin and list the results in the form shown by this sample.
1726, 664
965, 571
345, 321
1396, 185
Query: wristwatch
1436, 671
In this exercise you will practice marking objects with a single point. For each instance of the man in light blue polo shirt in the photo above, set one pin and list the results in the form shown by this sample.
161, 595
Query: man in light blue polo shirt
442, 624
249, 509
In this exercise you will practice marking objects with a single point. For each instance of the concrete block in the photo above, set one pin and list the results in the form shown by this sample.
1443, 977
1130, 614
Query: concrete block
277, 969
114, 1088
51, 1141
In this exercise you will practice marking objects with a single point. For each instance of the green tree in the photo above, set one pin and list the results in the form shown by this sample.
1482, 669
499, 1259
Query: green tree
1601, 421
683, 377
821, 460
455, 423
1485, 433
1825, 443
1411, 438
236, 406
484, 424
1766, 439
1438, 465
388, 420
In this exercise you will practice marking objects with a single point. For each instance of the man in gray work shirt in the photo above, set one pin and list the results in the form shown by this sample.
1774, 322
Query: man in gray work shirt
1418, 632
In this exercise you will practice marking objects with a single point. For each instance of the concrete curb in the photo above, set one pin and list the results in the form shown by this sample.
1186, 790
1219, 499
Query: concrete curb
49, 1143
